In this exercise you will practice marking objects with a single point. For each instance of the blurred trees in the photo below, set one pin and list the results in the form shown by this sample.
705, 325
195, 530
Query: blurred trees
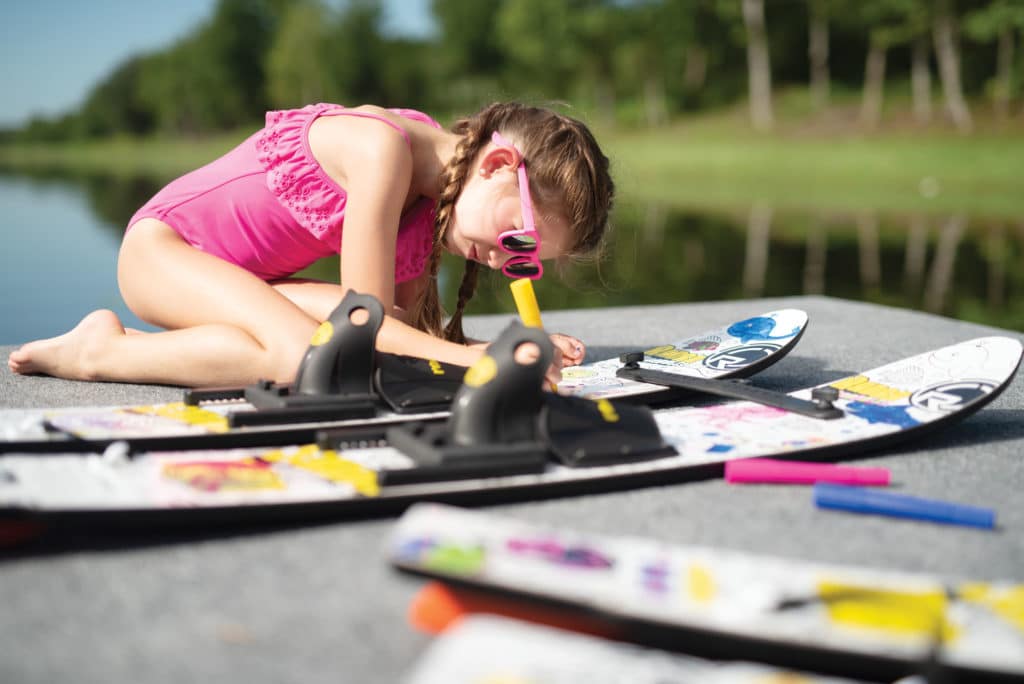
1000, 22
633, 62
297, 67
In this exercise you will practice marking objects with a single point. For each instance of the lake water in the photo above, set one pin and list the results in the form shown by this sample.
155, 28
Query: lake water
60, 258
62, 236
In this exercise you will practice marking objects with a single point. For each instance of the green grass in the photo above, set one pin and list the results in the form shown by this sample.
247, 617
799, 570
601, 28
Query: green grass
162, 158
720, 162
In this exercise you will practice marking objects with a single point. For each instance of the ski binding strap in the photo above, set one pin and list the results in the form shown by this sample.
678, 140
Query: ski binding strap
411, 385
820, 406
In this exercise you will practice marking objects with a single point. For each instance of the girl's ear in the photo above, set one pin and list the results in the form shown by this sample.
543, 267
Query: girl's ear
495, 158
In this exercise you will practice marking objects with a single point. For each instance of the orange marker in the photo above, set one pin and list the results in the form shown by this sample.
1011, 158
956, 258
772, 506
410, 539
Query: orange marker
438, 606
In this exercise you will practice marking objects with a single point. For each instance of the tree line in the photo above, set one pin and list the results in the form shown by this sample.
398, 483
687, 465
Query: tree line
633, 62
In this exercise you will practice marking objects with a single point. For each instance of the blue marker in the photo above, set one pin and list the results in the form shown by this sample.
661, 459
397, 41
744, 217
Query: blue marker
861, 500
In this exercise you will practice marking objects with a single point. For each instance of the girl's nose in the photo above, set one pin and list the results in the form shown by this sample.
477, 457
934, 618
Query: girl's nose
496, 258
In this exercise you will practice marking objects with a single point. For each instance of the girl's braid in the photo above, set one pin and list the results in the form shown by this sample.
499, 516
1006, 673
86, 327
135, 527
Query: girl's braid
474, 132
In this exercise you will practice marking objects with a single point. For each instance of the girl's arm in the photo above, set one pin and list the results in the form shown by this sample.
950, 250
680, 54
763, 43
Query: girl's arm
319, 299
398, 338
374, 163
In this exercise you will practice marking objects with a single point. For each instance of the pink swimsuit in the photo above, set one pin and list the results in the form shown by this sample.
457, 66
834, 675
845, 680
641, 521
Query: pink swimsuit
270, 208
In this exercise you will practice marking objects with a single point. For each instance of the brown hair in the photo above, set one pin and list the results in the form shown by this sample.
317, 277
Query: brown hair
567, 171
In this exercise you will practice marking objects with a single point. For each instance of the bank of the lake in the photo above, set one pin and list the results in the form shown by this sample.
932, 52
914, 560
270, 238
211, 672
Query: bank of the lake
709, 162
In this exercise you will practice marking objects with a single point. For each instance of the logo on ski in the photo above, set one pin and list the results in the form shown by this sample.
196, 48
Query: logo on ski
950, 396
741, 357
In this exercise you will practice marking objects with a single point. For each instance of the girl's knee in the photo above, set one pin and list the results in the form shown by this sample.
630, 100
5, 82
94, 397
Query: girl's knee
138, 264
285, 354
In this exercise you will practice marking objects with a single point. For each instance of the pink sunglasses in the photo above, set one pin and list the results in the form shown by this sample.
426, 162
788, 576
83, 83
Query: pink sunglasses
523, 245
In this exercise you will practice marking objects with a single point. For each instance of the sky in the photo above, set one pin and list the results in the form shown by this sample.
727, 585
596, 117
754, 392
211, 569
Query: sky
52, 52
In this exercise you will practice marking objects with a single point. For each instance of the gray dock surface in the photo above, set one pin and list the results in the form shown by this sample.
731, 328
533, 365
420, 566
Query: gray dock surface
319, 604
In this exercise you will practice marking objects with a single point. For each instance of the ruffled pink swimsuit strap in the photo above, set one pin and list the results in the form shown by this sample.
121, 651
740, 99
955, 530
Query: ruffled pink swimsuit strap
341, 111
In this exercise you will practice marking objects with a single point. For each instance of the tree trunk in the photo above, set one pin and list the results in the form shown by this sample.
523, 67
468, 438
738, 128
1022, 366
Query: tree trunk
870, 253
817, 51
949, 66
816, 254
944, 264
654, 100
874, 84
652, 230
604, 95
755, 264
921, 82
996, 257
915, 256
758, 66
1004, 74
695, 74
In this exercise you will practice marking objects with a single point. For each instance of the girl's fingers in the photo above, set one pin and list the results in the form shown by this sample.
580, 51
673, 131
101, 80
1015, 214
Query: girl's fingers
571, 348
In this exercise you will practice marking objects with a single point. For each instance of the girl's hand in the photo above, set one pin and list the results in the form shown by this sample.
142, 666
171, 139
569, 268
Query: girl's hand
572, 350
568, 351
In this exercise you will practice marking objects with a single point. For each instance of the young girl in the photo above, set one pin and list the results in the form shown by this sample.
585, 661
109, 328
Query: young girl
209, 257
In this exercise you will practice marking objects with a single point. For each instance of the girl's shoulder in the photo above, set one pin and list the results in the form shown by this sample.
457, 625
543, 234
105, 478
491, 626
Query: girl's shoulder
303, 115
415, 115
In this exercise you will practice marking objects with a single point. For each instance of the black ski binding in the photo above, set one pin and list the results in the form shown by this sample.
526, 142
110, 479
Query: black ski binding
820, 406
343, 377
335, 377
503, 423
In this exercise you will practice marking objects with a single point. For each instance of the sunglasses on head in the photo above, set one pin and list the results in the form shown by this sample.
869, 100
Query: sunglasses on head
524, 244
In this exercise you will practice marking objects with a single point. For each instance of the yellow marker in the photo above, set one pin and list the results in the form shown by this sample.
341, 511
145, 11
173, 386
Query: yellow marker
526, 304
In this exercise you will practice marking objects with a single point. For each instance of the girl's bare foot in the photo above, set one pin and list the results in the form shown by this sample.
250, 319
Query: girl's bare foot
72, 354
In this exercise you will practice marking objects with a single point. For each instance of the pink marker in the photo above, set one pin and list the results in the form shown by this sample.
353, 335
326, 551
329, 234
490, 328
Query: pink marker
801, 472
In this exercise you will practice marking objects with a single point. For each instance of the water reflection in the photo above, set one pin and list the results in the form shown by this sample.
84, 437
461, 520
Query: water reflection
59, 259
963, 266
957, 265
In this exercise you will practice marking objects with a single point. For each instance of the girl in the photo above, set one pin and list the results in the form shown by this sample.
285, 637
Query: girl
209, 257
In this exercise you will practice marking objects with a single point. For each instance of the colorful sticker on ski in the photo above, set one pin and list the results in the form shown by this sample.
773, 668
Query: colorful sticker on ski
216, 476
719, 353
